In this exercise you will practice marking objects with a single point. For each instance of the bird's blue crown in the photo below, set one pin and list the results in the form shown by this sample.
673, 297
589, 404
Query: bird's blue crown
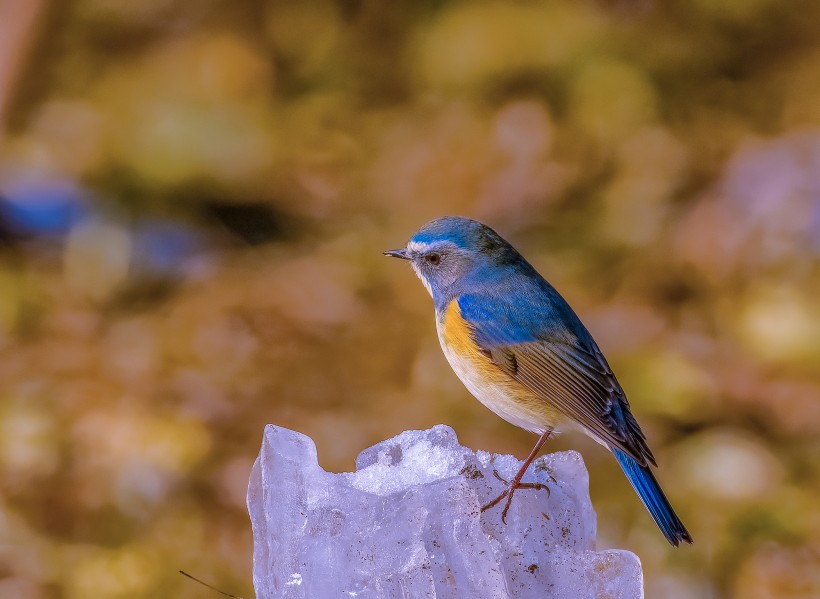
468, 235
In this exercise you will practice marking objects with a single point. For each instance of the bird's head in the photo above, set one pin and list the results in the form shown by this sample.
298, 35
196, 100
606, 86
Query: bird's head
449, 250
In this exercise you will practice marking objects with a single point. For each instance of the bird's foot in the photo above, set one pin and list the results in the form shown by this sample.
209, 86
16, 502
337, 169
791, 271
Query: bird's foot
509, 491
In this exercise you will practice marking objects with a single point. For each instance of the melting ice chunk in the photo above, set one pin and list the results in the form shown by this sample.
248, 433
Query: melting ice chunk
408, 524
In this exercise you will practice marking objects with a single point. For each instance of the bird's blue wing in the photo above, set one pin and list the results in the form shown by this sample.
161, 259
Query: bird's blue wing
535, 337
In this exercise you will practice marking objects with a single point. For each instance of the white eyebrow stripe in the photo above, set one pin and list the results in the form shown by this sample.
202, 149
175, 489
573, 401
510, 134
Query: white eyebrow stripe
417, 246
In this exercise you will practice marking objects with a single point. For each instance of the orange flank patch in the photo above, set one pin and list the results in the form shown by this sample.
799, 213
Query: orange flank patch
459, 338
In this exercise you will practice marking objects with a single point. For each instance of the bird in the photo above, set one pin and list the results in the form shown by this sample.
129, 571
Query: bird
521, 350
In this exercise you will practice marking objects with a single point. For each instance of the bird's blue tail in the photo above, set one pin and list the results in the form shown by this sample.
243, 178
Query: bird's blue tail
644, 483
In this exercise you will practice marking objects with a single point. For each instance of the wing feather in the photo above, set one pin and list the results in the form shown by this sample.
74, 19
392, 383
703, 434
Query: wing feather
565, 369
596, 402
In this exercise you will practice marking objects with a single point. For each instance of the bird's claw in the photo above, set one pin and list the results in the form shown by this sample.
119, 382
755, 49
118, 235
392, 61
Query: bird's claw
508, 493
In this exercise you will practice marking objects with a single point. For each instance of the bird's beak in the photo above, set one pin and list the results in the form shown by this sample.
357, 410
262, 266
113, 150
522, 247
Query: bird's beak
402, 253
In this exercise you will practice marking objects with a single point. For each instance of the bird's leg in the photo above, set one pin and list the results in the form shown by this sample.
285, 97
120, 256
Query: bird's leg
516, 483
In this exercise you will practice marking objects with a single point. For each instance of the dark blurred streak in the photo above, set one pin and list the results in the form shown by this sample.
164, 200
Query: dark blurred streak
255, 224
143, 295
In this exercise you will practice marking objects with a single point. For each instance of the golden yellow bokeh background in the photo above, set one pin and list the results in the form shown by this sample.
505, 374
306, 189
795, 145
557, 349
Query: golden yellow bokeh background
195, 195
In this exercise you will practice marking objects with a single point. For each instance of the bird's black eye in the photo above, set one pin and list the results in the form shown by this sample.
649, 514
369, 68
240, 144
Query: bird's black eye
433, 258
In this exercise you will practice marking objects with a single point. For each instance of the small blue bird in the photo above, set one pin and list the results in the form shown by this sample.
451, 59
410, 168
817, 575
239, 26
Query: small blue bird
521, 351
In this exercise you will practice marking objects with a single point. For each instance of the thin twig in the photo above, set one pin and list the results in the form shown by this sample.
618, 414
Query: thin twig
213, 588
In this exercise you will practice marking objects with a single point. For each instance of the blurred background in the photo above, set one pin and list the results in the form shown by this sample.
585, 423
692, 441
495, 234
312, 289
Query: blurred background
195, 194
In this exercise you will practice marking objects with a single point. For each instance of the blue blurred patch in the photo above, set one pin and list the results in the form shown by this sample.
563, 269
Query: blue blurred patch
163, 246
43, 208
